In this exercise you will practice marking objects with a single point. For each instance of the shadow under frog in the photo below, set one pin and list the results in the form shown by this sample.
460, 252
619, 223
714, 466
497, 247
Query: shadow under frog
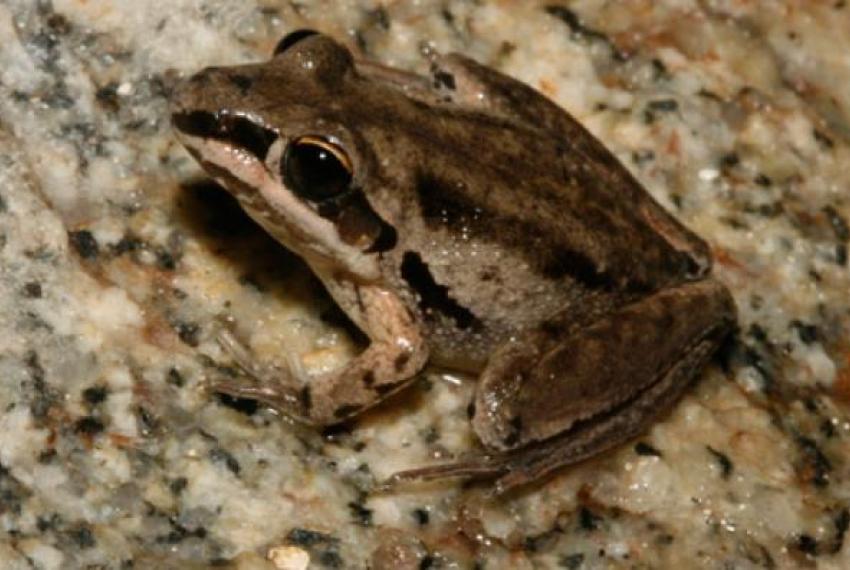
465, 220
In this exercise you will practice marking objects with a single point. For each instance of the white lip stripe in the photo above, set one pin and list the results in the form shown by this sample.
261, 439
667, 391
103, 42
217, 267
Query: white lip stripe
286, 218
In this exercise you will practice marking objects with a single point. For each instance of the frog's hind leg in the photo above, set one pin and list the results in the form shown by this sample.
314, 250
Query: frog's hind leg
553, 399
518, 468
619, 425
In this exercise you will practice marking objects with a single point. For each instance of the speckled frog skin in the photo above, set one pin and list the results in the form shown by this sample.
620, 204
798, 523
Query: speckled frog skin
461, 219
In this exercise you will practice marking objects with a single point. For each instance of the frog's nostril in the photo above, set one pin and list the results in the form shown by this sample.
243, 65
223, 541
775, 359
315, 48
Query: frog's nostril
204, 76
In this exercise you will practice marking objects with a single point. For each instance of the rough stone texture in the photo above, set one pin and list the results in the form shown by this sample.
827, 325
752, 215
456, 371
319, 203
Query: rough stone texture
117, 260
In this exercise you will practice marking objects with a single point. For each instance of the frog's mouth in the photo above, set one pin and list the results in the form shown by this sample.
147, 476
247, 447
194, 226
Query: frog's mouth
236, 130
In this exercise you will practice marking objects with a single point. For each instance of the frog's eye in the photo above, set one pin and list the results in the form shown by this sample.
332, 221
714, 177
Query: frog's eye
316, 169
291, 39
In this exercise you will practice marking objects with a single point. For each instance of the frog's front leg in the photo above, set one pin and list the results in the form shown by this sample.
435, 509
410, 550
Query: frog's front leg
395, 353
555, 398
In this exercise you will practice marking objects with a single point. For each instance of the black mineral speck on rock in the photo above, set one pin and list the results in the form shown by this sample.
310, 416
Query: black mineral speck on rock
841, 254
178, 485
588, 520
663, 105
242, 405
48, 522
82, 536
220, 455
571, 561
84, 243
807, 544
808, 333
841, 521
330, 559
815, 466
643, 448
94, 395
839, 225
32, 290
323, 547
307, 538
189, 333
421, 516
175, 378
147, 420
362, 515
726, 465
165, 260
88, 425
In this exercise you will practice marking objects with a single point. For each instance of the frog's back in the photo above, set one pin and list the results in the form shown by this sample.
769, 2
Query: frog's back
512, 223
560, 199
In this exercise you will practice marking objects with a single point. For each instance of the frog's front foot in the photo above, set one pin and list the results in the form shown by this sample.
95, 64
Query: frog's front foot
271, 384
395, 354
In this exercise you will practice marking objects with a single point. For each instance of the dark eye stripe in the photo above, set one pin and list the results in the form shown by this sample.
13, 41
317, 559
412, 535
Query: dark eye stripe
252, 137
239, 131
196, 123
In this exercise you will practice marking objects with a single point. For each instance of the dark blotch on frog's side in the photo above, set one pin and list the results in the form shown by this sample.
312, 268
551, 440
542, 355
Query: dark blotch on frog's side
442, 202
305, 396
243, 82
433, 296
345, 410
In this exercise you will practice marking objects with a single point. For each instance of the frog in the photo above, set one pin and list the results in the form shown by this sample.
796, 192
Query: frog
464, 221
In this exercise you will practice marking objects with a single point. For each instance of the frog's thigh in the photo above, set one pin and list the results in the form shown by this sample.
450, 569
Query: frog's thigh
606, 382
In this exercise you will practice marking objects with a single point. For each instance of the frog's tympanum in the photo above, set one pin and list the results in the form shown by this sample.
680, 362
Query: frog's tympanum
465, 220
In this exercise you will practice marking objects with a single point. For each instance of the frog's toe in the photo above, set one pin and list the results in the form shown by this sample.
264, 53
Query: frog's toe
481, 467
239, 353
245, 391
275, 396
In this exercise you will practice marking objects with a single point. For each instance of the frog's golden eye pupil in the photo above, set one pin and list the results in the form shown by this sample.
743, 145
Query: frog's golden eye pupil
315, 169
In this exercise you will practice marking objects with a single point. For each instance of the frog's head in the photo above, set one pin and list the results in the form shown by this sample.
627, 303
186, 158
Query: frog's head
271, 134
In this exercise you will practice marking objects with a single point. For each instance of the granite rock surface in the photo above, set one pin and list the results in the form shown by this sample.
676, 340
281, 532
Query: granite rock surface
119, 260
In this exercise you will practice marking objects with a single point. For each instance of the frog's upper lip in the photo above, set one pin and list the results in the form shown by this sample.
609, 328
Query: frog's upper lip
230, 128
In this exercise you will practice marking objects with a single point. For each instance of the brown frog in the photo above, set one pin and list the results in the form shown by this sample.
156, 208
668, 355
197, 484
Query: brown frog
465, 220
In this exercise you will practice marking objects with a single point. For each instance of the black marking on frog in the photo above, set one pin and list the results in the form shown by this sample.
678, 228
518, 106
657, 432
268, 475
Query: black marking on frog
432, 295
242, 82
305, 396
346, 410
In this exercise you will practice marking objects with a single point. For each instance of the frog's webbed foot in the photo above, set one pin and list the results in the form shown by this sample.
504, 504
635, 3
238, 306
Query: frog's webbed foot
272, 385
